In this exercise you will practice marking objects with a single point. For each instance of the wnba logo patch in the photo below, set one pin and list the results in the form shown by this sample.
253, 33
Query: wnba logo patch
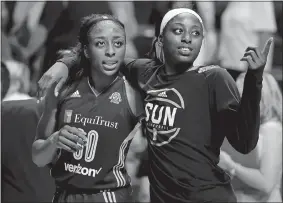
115, 98
68, 116
161, 109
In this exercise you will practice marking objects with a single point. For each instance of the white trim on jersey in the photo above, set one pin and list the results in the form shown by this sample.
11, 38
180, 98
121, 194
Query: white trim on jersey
53, 198
105, 197
109, 197
95, 92
177, 130
114, 197
121, 162
117, 168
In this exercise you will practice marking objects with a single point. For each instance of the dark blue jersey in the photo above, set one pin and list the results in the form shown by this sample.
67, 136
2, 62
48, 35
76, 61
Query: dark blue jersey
107, 120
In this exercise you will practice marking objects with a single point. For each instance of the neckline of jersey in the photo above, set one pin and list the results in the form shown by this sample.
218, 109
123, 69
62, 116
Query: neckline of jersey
95, 92
161, 74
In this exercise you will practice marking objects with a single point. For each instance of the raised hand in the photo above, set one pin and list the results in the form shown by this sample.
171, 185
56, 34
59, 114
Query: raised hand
255, 58
69, 138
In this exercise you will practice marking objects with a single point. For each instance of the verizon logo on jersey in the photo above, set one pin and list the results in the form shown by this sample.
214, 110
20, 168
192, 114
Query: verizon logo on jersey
78, 169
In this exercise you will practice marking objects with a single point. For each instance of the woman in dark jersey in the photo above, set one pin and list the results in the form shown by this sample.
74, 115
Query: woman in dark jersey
84, 133
189, 111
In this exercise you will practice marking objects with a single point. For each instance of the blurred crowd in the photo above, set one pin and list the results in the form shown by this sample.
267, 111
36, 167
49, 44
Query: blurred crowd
33, 32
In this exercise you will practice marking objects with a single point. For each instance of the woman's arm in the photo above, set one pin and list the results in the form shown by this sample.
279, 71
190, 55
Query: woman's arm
237, 119
47, 142
266, 177
44, 148
245, 121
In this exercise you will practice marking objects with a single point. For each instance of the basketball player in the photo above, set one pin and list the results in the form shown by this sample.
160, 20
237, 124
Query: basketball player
189, 111
94, 120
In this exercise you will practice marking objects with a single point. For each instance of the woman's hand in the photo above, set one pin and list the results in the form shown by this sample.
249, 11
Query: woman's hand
57, 73
226, 162
69, 138
255, 58
50, 100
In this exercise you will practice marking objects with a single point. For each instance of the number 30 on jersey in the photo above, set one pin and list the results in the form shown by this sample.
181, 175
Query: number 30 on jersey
90, 149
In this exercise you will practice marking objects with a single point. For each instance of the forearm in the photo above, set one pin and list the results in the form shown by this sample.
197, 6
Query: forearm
44, 151
44, 147
252, 177
46, 124
247, 118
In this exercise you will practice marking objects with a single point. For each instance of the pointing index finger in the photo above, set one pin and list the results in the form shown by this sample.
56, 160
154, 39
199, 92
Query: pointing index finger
267, 46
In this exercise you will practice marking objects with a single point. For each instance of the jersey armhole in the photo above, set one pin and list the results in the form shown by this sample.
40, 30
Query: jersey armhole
55, 158
129, 93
